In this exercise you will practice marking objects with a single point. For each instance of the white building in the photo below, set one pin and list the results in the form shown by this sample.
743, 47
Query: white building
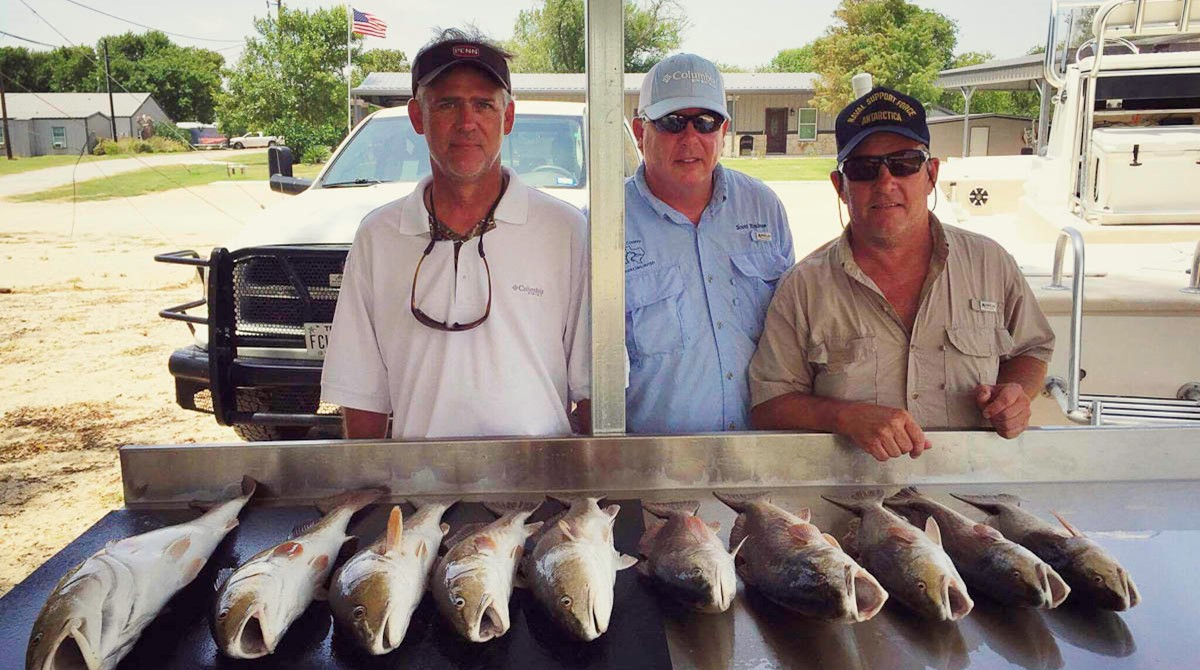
64, 123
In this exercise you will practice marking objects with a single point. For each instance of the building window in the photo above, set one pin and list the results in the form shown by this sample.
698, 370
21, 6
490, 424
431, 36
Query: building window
729, 105
58, 137
2, 140
806, 124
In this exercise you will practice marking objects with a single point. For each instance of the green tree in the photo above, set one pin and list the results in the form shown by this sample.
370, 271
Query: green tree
73, 69
378, 60
903, 46
1026, 104
289, 79
550, 36
794, 60
24, 70
185, 81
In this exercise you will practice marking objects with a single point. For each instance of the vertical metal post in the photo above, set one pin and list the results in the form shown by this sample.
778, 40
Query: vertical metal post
349, 68
1043, 128
112, 114
967, 92
604, 21
4, 112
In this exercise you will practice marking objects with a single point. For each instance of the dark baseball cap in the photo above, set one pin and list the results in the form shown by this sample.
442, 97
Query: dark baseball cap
881, 110
433, 61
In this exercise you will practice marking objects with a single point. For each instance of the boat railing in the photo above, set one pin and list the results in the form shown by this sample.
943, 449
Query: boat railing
1067, 392
1194, 280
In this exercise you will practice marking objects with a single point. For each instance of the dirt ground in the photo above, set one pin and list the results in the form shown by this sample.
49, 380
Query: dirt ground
83, 356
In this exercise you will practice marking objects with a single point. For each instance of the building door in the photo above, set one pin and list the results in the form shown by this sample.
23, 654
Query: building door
979, 141
777, 131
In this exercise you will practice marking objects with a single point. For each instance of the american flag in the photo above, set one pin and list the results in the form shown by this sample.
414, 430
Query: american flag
369, 24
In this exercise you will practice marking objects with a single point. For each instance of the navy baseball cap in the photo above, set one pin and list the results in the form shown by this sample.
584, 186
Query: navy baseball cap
430, 63
881, 110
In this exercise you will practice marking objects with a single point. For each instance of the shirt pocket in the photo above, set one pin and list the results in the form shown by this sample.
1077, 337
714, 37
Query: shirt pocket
755, 275
846, 370
973, 356
653, 323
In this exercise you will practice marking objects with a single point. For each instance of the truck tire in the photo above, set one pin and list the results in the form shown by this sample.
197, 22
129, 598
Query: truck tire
238, 145
262, 400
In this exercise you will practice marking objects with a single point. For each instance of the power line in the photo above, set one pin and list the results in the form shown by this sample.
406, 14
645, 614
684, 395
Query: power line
26, 39
142, 25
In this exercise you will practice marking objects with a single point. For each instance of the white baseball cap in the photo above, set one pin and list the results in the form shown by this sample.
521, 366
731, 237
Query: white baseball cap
682, 81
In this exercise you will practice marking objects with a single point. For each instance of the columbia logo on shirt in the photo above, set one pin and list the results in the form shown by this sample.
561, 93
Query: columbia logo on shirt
528, 290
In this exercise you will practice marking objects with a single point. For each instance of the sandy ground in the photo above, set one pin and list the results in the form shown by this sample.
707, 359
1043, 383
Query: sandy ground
83, 356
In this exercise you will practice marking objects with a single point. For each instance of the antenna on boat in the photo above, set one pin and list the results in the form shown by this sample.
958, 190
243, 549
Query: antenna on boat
861, 83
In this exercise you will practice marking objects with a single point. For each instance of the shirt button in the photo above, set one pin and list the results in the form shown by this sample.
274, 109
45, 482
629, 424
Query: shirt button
736, 302
731, 282
915, 395
912, 347
729, 375
941, 347
720, 325
710, 279
942, 387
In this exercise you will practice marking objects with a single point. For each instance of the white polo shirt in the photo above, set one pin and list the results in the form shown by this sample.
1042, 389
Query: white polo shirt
512, 375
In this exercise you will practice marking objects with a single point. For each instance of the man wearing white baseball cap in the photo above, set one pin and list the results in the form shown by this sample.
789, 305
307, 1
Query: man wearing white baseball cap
704, 247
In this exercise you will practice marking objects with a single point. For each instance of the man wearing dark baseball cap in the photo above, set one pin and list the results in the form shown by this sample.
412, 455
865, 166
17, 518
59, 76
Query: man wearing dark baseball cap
449, 338
704, 246
902, 323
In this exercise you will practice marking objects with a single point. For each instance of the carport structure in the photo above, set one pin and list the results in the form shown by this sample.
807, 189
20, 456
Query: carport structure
1025, 73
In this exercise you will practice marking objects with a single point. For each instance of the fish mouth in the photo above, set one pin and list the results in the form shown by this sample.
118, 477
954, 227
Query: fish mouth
71, 652
956, 603
1054, 589
252, 640
491, 622
867, 593
1129, 596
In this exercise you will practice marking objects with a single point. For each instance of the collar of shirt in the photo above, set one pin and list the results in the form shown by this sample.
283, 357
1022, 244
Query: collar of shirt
719, 196
513, 207
941, 251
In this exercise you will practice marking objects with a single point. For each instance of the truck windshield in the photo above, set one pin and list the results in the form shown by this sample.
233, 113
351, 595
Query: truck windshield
546, 151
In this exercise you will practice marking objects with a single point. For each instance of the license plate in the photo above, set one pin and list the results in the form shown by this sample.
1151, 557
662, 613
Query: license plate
316, 337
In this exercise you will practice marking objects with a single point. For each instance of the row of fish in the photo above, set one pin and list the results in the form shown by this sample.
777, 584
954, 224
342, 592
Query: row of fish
908, 546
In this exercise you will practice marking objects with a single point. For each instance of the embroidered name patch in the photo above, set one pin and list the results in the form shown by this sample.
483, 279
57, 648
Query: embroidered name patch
985, 306
761, 236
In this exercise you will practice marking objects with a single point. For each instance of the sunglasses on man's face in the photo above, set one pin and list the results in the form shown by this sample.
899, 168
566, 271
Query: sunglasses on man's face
704, 122
900, 164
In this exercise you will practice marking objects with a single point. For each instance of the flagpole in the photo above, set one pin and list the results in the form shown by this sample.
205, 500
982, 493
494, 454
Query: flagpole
349, 68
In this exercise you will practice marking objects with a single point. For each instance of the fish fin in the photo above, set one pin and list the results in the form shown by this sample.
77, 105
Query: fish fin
738, 532
462, 533
565, 529
233, 523
857, 502
933, 530
738, 502
445, 528
992, 504
804, 532
355, 500
805, 514
422, 549
532, 529
612, 511
986, 532
1075, 532
484, 543
715, 526
508, 506
290, 550
663, 510
625, 561
565, 501
738, 548
429, 502
832, 541
193, 568
222, 576
697, 528
179, 547
395, 529
319, 563
646, 543
249, 486
303, 527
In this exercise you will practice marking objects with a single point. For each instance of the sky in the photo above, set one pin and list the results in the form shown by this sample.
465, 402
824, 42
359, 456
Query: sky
747, 33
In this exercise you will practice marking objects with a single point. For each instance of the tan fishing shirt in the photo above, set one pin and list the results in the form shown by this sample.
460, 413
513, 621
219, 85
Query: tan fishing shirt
830, 332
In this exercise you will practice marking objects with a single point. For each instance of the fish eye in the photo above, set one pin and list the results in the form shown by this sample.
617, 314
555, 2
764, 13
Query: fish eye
459, 602
921, 585
37, 638
566, 601
1016, 573
1099, 579
360, 612
696, 571
223, 614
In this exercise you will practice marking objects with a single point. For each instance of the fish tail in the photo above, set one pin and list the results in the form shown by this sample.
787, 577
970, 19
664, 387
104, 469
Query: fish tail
858, 502
906, 497
249, 485
992, 504
738, 502
568, 501
664, 510
353, 500
447, 502
510, 506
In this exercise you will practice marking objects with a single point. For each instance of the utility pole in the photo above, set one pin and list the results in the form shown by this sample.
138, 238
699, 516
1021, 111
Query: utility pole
4, 111
112, 114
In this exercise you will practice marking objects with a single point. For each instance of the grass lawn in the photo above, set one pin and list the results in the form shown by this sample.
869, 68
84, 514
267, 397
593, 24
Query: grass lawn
162, 178
18, 165
783, 169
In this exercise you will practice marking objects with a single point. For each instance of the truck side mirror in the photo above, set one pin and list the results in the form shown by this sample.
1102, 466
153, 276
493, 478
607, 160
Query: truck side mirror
279, 161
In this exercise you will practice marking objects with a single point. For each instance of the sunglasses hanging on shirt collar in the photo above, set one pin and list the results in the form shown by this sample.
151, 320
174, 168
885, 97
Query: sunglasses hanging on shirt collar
899, 164
704, 122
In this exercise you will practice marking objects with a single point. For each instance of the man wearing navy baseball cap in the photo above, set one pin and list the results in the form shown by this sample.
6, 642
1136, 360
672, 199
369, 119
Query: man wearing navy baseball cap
704, 247
902, 323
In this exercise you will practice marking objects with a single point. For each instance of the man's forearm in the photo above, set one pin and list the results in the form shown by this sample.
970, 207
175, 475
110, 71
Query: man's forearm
361, 424
800, 411
1027, 371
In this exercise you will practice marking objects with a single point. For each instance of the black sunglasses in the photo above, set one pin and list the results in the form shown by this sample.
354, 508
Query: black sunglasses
900, 164
704, 122
425, 319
